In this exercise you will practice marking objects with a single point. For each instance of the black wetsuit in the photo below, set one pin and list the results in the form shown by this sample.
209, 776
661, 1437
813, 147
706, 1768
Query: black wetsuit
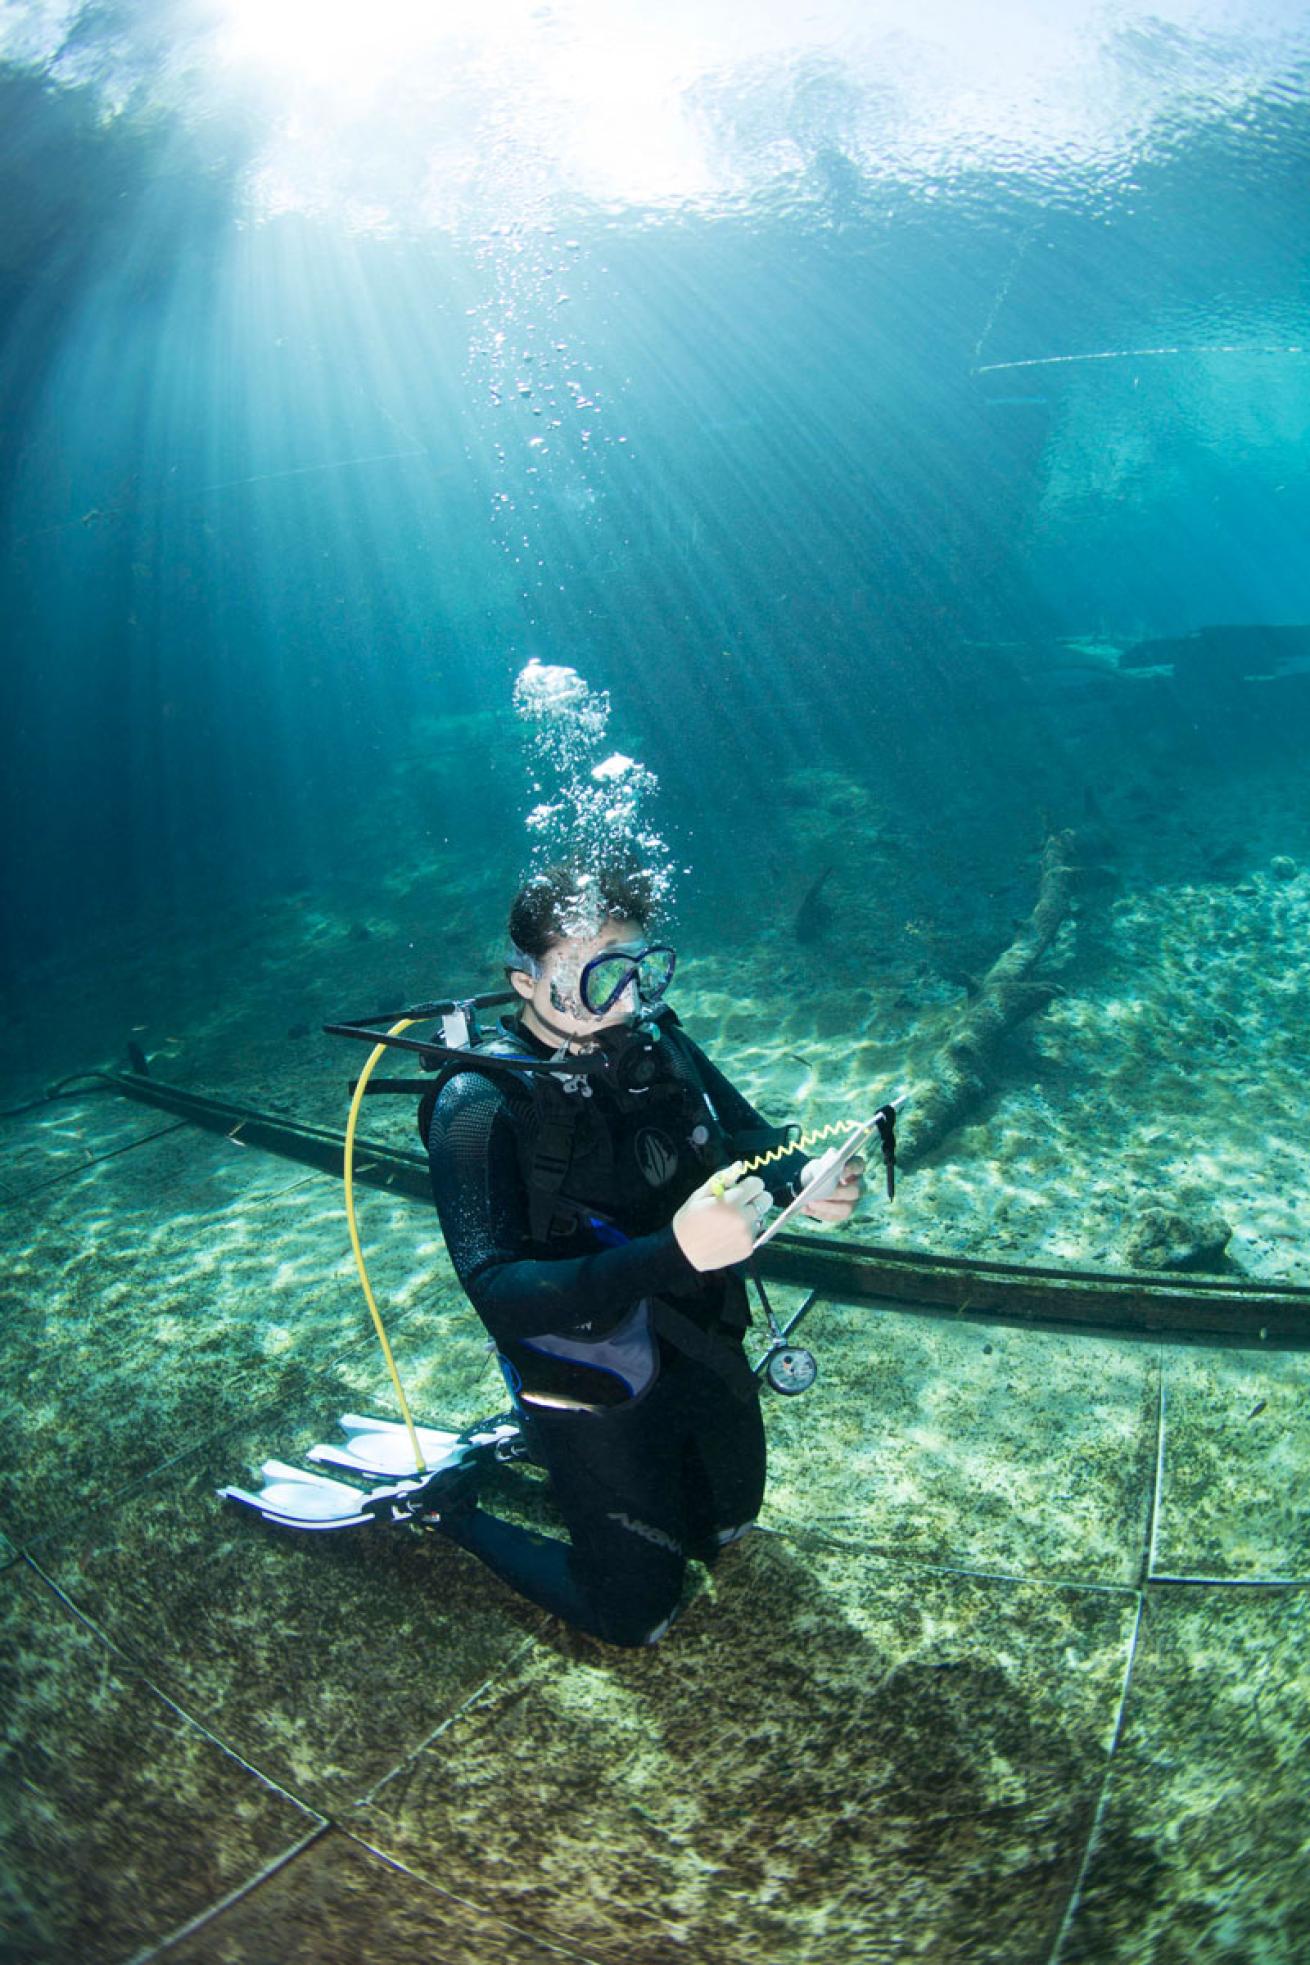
625, 1362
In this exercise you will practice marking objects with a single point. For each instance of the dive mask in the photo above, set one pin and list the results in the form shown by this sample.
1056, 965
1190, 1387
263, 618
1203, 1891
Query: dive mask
608, 976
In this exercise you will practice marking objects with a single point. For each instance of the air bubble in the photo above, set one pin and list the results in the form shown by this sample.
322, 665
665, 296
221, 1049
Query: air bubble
595, 807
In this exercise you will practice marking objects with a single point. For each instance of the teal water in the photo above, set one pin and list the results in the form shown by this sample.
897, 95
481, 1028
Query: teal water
901, 416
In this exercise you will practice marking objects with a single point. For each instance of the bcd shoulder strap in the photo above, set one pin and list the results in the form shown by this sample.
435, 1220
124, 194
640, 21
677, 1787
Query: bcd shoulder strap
554, 1128
557, 1118
495, 1068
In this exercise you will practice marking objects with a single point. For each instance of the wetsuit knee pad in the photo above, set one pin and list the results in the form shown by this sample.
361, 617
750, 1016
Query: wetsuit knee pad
631, 1632
633, 1603
718, 1540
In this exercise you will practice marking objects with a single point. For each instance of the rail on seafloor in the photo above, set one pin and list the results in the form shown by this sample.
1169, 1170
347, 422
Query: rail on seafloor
1176, 1306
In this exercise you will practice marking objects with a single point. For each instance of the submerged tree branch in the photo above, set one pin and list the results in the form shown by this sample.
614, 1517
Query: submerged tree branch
959, 1074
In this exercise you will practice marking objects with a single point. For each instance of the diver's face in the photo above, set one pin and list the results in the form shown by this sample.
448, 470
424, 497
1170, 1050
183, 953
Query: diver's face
553, 1005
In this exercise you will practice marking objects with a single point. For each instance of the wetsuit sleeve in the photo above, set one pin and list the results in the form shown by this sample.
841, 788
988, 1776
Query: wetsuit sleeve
748, 1132
482, 1203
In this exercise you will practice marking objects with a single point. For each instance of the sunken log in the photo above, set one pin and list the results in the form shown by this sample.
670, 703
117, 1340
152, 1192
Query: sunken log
959, 1074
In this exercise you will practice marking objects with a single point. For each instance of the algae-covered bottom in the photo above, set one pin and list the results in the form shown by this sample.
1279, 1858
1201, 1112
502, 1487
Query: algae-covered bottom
1014, 1669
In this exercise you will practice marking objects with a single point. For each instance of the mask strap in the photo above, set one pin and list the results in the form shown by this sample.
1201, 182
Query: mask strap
517, 958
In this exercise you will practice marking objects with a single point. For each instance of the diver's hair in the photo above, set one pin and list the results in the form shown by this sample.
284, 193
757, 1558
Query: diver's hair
568, 899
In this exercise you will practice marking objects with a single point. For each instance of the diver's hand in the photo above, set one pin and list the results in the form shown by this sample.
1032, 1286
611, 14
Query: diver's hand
717, 1225
839, 1205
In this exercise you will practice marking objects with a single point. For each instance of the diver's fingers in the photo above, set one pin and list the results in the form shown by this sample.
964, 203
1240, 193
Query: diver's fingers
731, 1186
747, 1192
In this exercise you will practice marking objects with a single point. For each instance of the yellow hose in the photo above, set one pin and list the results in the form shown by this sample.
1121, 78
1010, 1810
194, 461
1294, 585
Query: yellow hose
378, 1052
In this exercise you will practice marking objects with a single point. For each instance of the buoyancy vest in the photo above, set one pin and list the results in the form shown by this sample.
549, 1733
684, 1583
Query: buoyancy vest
567, 1156
566, 1146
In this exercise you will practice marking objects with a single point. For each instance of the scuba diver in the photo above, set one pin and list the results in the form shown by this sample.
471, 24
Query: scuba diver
599, 1225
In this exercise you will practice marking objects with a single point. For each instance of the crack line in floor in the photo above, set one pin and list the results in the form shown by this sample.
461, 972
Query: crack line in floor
1103, 1797
467, 1903
1157, 1490
487, 1685
898, 1559
234, 1896
1231, 1582
141, 1673
84, 1166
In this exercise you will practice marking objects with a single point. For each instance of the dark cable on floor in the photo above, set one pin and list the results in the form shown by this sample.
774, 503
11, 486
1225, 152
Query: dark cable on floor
92, 1080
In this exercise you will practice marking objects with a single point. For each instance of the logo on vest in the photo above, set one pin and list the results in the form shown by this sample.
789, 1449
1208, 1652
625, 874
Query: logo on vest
657, 1156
